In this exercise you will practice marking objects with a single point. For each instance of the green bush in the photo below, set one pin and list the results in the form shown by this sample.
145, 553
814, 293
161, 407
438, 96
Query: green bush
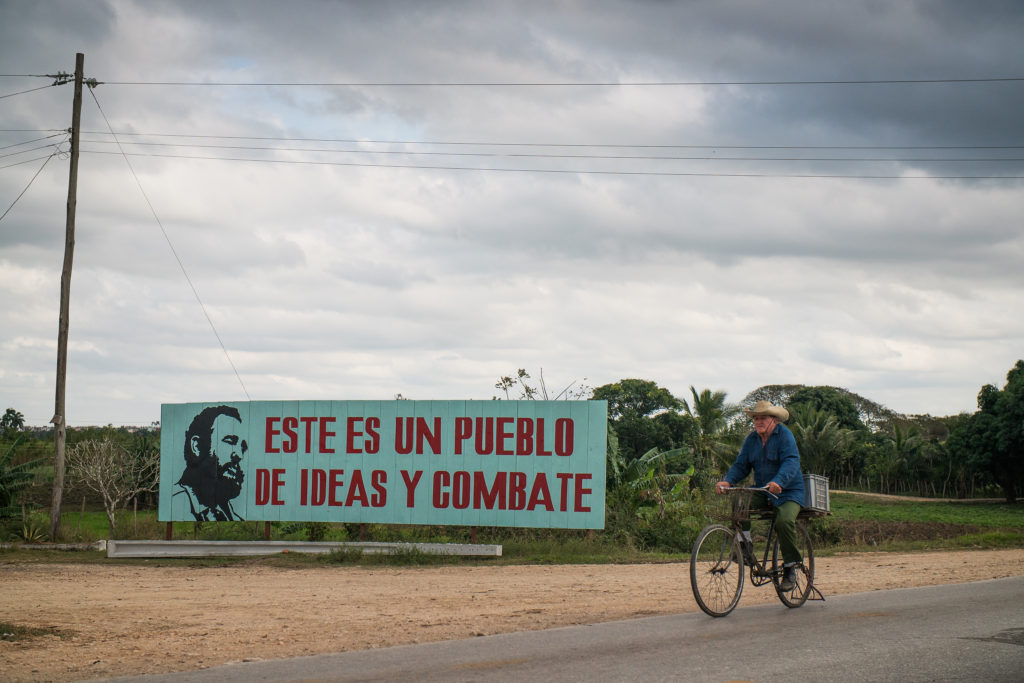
670, 530
33, 527
825, 531
34, 531
343, 556
622, 522
314, 532
671, 524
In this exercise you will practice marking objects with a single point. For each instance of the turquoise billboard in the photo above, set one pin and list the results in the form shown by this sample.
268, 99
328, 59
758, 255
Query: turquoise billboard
471, 463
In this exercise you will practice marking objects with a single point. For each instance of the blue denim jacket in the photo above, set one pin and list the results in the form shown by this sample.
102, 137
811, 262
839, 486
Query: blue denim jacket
777, 460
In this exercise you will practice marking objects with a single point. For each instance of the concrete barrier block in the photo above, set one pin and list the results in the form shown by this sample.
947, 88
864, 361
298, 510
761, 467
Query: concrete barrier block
141, 549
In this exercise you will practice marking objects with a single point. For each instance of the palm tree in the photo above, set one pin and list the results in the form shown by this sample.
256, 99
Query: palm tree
907, 445
11, 423
823, 444
710, 442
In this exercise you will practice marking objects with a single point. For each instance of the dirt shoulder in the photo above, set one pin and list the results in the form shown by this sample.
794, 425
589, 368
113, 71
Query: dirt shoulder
121, 620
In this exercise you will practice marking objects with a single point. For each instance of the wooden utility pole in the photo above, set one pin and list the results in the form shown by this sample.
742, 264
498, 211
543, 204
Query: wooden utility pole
59, 421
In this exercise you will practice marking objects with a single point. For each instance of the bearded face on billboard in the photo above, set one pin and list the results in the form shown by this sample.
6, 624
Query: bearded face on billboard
213, 473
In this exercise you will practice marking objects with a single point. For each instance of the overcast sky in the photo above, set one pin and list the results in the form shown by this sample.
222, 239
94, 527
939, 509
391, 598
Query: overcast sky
416, 198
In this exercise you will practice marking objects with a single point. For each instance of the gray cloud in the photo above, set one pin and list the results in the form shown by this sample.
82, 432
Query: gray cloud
358, 275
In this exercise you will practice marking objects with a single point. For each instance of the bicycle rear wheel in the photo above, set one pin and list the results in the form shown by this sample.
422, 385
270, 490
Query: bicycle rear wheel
716, 570
804, 575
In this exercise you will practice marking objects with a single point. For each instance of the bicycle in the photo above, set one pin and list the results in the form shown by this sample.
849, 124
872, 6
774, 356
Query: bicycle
720, 556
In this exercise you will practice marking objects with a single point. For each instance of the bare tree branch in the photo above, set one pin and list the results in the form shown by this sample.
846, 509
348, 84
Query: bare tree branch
113, 472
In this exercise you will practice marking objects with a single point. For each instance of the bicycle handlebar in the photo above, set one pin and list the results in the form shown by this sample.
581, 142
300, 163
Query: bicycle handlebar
757, 489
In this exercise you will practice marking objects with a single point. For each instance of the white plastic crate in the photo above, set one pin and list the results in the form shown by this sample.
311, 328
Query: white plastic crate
816, 488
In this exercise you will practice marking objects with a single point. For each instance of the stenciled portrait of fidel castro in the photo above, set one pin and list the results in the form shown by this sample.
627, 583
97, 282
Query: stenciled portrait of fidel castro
213, 474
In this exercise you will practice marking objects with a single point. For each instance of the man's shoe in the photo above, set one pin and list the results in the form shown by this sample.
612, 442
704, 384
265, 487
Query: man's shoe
788, 582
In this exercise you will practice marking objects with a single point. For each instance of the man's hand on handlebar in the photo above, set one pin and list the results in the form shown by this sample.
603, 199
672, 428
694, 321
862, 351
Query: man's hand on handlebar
773, 487
722, 486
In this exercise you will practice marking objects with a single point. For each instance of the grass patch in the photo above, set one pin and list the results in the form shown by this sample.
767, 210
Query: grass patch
847, 506
401, 557
343, 556
861, 523
992, 540
569, 551
858, 523
986, 541
405, 556
14, 633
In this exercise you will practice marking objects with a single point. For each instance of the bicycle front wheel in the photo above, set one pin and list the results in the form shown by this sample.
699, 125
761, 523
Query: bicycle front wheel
804, 575
716, 570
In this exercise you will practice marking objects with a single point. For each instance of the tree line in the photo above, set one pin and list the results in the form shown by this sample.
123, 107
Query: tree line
856, 443
664, 451
108, 466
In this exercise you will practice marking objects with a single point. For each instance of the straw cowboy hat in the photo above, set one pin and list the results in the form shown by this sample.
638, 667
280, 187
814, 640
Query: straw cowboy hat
766, 408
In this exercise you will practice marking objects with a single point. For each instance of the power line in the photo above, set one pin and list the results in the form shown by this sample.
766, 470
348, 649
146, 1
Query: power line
24, 151
29, 142
37, 130
548, 144
564, 84
62, 77
537, 155
26, 161
23, 92
569, 171
174, 252
484, 143
30, 182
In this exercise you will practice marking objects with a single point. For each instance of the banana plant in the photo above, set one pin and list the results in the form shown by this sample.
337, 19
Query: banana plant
14, 479
649, 480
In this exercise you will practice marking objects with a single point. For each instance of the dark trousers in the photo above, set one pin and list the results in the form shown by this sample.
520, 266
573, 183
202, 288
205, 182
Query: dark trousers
785, 525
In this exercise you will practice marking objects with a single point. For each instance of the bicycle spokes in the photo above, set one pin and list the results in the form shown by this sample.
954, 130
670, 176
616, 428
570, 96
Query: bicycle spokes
716, 570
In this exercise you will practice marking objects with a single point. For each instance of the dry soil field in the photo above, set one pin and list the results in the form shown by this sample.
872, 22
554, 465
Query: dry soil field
110, 620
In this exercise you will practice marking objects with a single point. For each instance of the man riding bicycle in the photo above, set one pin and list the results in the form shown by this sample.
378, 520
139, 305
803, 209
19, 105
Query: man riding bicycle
770, 451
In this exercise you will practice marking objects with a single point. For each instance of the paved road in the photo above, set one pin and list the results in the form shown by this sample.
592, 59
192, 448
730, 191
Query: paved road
964, 632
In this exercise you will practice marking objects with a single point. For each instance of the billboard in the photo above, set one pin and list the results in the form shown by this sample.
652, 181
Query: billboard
470, 463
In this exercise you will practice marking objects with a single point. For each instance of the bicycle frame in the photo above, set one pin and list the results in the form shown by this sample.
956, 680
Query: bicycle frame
761, 573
